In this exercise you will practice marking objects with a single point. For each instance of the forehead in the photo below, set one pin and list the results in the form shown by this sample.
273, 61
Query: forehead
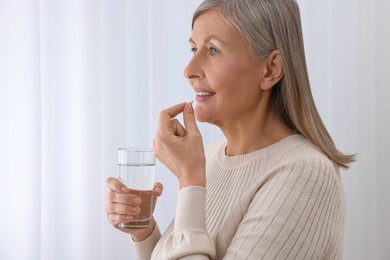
211, 23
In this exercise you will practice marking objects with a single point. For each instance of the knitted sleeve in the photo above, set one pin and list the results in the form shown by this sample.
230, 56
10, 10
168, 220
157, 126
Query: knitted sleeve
189, 239
145, 248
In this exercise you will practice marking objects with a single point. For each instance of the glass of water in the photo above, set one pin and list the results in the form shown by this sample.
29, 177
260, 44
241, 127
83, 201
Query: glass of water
136, 171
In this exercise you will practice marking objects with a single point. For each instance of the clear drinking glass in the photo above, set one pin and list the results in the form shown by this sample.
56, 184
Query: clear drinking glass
136, 171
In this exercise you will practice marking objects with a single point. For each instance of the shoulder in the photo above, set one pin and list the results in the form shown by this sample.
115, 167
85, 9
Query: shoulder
299, 150
301, 159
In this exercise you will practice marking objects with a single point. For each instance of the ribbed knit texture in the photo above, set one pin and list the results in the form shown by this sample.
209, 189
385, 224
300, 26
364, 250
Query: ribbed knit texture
282, 202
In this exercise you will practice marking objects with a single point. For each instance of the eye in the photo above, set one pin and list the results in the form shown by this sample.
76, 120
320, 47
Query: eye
194, 50
214, 51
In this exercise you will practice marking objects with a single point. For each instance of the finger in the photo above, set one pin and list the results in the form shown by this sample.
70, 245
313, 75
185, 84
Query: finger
169, 113
116, 219
173, 111
129, 199
189, 118
178, 129
122, 209
157, 189
115, 185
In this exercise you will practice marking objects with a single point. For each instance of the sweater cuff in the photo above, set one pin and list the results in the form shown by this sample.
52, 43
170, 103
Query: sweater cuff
191, 209
145, 248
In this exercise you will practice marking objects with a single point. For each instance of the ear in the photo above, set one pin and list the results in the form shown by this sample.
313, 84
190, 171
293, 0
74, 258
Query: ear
273, 70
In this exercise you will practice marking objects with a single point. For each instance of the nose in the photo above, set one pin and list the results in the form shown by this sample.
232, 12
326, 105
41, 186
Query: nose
194, 69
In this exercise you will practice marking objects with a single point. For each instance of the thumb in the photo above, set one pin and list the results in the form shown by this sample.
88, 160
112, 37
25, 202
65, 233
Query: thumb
189, 118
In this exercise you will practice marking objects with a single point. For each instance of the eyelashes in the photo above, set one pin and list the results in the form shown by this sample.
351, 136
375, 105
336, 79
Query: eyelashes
212, 51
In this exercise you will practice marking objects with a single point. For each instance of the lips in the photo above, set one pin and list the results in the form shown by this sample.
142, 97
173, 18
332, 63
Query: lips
205, 93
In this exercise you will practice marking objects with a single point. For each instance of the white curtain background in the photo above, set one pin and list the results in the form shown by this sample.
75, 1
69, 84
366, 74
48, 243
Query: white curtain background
81, 78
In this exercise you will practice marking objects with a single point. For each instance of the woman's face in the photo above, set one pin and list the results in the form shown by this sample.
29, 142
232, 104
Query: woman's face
223, 72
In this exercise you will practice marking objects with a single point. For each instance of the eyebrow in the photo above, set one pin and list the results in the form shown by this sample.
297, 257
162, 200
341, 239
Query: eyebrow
208, 38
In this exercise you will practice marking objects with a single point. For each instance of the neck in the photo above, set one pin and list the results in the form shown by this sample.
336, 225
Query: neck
254, 131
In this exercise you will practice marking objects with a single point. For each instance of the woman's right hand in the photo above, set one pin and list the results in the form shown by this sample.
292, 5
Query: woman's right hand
122, 205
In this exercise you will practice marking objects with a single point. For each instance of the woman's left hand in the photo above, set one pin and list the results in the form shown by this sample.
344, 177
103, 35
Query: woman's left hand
180, 147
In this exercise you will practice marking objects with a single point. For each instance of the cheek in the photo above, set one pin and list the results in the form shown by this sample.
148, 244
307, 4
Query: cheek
225, 77
238, 87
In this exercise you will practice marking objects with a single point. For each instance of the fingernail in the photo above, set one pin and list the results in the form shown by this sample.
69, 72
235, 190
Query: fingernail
189, 107
137, 200
158, 189
136, 209
125, 189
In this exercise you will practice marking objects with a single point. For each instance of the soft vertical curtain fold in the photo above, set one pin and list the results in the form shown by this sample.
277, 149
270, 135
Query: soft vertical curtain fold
81, 78
20, 139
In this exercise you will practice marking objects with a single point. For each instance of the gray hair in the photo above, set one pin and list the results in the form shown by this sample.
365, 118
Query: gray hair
270, 25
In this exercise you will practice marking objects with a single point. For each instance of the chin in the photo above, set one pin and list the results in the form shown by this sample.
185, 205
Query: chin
201, 116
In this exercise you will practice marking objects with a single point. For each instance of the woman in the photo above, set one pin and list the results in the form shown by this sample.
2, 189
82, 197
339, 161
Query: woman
273, 186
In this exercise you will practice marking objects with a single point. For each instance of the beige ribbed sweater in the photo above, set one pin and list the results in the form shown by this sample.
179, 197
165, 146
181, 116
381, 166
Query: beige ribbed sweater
282, 202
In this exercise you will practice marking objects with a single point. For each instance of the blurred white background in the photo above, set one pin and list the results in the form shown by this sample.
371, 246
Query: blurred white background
81, 78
